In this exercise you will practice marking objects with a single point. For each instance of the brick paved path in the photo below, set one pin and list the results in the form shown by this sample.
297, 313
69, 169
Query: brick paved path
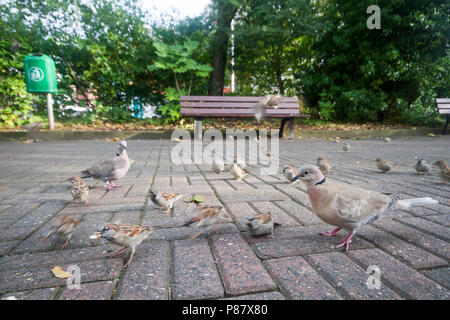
411, 248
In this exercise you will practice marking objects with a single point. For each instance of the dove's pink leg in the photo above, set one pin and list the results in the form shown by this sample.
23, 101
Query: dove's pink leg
346, 242
331, 233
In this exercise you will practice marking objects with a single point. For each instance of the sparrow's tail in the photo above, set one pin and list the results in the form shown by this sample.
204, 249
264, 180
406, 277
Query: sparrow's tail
86, 174
415, 202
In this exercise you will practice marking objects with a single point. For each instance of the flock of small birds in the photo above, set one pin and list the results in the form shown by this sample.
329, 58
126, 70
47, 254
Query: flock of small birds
343, 206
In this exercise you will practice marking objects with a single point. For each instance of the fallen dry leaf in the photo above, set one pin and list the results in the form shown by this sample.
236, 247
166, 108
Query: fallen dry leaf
60, 273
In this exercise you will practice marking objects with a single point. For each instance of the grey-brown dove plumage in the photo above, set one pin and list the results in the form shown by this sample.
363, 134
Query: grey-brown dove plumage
349, 207
111, 170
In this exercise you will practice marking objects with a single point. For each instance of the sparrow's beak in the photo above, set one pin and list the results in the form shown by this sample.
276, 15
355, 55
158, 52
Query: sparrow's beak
296, 177
96, 235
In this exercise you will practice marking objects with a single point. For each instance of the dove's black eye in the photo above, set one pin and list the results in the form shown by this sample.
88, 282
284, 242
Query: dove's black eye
306, 172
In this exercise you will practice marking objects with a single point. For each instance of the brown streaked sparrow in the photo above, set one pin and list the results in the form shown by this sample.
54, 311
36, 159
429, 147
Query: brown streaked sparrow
324, 165
218, 165
444, 170
289, 173
237, 172
207, 216
261, 224
164, 200
385, 165
422, 167
126, 235
65, 227
346, 147
79, 189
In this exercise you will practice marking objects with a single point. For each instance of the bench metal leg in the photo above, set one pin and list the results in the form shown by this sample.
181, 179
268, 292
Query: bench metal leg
446, 125
291, 128
283, 124
198, 129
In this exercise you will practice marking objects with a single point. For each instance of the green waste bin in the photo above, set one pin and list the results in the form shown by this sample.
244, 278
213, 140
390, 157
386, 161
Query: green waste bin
40, 73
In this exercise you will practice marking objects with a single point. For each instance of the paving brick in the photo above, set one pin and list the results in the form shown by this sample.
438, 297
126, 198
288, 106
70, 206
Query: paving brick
299, 280
412, 235
52, 258
40, 277
443, 219
348, 278
428, 226
39, 215
440, 275
195, 273
240, 269
146, 278
414, 256
304, 245
405, 280
16, 233
38, 294
273, 295
5, 247
89, 291
305, 215
186, 232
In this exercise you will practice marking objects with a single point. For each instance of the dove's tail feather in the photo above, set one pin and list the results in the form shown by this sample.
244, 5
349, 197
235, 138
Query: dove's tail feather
415, 202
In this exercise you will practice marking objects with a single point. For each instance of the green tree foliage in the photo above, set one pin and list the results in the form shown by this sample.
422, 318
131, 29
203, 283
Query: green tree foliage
395, 72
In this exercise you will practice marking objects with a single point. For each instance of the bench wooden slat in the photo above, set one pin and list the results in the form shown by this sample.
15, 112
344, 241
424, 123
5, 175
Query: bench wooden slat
232, 98
446, 111
231, 105
443, 100
237, 113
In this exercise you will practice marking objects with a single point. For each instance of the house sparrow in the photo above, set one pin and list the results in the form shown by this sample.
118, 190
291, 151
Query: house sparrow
346, 147
444, 170
385, 165
164, 200
79, 189
289, 173
126, 235
422, 167
240, 162
267, 151
111, 170
206, 217
218, 165
65, 227
387, 139
324, 165
261, 224
260, 108
237, 172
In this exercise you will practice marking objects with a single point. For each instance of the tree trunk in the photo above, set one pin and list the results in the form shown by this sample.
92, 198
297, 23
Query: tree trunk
225, 13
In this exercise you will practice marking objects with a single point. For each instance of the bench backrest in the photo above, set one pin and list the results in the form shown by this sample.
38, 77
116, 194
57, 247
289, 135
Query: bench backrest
234, 106
443, 105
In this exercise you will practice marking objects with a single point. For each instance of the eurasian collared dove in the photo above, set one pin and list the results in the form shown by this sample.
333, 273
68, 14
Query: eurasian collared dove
111, 170
349, 207
422, 167
261, 106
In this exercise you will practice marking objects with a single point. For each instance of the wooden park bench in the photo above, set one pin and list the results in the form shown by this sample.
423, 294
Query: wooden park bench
201, 107
443, 105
